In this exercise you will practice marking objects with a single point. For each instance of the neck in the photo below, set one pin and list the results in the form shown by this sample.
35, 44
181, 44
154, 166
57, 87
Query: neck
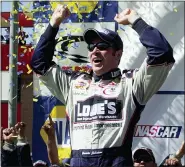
108, 75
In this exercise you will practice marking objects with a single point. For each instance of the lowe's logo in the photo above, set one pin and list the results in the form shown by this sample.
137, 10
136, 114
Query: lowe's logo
157, 131
97, 108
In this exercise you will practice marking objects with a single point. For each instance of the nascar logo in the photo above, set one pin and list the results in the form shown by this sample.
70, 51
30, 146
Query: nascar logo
157, 131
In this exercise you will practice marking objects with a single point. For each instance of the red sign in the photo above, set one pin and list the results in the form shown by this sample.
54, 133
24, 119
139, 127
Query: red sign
24, 20
4, 114
24, 57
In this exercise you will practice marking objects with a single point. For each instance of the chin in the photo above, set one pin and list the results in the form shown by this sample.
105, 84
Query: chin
98, 70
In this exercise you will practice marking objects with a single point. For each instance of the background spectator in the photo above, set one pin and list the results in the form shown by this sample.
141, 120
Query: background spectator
15, 152
175, 159
22, 36
144, 157
8, 151
7, 35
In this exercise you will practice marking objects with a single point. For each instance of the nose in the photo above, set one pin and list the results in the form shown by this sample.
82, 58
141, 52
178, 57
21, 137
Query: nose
142, 162
95, 49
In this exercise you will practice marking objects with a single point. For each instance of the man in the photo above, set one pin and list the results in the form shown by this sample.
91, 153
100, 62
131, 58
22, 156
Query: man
104, 106
144, 157
175, 159
22, 36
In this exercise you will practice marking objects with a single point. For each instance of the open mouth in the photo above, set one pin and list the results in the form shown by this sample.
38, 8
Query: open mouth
97, 60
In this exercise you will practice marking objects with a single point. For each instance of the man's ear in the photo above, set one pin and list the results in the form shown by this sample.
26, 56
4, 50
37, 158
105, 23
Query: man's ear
118, 54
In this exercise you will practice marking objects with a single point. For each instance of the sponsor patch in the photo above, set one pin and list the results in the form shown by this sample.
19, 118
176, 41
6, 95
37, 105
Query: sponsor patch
109, 91
81, 85
98, 108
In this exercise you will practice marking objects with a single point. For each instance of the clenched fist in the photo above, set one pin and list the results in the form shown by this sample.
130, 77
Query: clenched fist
60, 13
127, 16
20, 129
8, 134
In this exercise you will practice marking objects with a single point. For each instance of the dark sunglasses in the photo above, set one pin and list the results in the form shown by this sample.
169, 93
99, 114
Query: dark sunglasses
100, 46
143, 158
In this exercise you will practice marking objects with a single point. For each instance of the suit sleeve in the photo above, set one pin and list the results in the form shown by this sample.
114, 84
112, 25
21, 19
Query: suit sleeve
51, 75
155, 68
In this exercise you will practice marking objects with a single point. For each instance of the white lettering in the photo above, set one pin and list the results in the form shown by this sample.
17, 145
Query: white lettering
79, 113
159, 134
166, 132
147, 130
86, 110
153, 130
115, 74
100, 108
86, 153
174, 131
140, 131
111, 107
93, 110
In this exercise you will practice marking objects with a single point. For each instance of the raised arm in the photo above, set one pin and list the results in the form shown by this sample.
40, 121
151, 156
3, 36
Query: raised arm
49, 73
44, 51
51, 142
23, 147
154, 70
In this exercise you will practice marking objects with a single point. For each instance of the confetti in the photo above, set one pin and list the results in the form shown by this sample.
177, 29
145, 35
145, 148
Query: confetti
41, 106
28, 67
29, 85
109, 4
12, 84
36, 89
24, 47
14, 97
101, 18
29, 71
22, 55
175, 9
19, 63
35, 100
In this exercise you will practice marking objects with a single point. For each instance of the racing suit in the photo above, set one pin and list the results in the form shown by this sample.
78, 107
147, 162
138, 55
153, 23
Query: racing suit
103, 110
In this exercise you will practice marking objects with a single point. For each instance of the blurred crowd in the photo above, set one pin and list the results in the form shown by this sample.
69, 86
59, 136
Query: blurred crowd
22, 35
15, 150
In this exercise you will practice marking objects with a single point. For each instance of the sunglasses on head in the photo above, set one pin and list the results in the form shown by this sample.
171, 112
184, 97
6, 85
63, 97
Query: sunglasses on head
100, 46
143, 158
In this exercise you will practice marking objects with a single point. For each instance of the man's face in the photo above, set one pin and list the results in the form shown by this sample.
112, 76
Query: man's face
102, 60
145, 164
144, 161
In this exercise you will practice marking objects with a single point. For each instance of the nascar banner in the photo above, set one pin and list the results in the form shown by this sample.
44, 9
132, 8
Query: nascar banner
161, 127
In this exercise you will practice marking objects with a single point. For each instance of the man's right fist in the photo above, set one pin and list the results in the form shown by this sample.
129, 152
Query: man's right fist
60, 13
127, 16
